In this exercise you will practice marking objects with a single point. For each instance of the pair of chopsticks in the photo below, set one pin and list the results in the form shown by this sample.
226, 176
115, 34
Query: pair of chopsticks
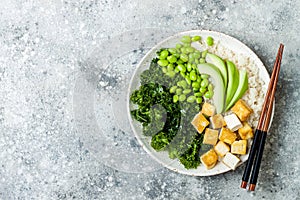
258, 144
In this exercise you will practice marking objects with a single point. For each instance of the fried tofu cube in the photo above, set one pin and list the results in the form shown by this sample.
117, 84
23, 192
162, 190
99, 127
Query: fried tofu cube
246, 132
217, 121
200, 122
210, 136
227, 136
208, 109
209, 159
231, 160
242, 110
233, 122
221, 148
239, 147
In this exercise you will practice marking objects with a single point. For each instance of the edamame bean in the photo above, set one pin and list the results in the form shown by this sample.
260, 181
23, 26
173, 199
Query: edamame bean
204, 76
173, 89
187, 91
178, 91
196, 85
193, 76
199, 100
186, 39
191, 56
190, 49
183, 50
198, 79
175, 98
172, 59
208, 94
191, 99
162, 63
204, 83
188, 80
209, 41
182, 84
197, 61
210, 87
163, 54
178, 46
177, 55
202, 90
170, 67
179, 61
197, 55
182, 74
194, 66
186, 44
172, 50
184, 57
196, 38
198, 94
201, 60
176, 69
203, 55
182, 97
181, 68
189, 67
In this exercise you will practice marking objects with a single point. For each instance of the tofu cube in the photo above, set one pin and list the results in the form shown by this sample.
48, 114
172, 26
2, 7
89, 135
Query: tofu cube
211, 136
200, 122
239, 147
221, 148
209, 159
242, 110
208, 109
246, 132
233, 122
217, 121
227, 136
231, 160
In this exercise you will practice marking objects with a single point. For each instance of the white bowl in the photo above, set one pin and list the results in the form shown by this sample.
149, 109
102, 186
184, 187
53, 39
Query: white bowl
162, 157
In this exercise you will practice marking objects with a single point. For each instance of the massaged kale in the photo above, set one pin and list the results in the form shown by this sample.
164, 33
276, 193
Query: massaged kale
168, 123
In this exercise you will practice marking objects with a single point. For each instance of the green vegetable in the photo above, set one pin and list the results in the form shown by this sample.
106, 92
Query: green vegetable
186, 39
191, 99
181, 68
208, 94
172, 59
182, 97
163, 54
209, 41
196, 38
163, 63
204, 82
166, 103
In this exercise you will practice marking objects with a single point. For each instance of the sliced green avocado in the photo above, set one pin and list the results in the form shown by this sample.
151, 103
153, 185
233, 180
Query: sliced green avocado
219, 88
219, 63
233, 81
242, 88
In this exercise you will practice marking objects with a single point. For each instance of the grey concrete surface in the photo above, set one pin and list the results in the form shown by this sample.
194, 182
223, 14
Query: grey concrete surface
64, 72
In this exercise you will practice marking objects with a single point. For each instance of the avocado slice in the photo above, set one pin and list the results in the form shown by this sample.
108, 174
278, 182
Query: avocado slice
233, 81
219, 88
242, 88
219, 63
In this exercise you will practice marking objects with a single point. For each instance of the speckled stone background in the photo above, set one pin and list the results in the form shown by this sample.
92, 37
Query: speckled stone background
64, 71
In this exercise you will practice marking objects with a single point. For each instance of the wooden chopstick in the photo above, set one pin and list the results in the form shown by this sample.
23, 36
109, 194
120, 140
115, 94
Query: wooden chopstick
262, 128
